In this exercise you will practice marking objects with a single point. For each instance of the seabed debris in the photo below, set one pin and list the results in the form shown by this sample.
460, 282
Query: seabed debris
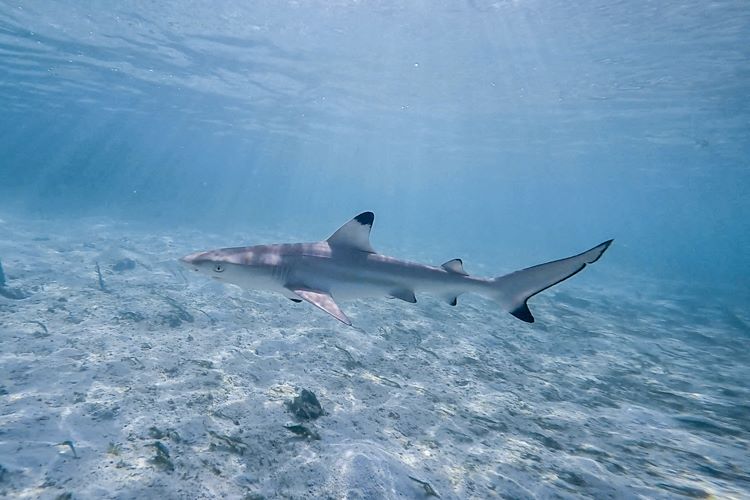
6, 291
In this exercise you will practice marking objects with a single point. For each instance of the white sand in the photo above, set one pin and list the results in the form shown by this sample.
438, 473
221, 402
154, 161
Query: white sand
617, 391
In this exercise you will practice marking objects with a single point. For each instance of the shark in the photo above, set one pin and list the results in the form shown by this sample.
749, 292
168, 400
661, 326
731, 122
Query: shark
345, 266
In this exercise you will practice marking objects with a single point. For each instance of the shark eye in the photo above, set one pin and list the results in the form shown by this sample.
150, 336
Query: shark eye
218, 268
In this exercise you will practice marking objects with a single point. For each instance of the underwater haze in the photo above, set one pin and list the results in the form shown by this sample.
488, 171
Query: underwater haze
506, 133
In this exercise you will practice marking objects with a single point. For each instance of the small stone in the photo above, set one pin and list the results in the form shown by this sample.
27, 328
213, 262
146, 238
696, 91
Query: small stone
303, 431
13, 293
305, 406
123, 265
162, 459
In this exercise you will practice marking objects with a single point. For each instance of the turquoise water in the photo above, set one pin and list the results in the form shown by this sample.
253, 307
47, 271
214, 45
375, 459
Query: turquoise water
506, 133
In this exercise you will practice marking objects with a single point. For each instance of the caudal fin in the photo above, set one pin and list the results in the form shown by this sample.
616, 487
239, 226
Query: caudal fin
515, 289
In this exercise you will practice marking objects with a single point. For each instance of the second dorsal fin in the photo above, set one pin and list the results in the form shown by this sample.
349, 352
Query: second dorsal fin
355, 234
455, 266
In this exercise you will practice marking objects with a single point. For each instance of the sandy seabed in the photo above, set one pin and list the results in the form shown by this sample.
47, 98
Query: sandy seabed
164, 384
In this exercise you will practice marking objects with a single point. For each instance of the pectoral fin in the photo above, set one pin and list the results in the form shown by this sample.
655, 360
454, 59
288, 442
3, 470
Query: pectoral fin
324, 301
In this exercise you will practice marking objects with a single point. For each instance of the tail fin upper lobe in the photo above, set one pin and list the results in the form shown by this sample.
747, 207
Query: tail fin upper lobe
515, 289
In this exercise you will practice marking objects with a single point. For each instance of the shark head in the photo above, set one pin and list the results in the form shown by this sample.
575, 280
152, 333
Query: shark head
244, 266
215, 264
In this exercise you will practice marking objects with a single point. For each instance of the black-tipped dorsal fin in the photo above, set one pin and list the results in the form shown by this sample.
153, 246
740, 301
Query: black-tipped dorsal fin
455, 266
355, 234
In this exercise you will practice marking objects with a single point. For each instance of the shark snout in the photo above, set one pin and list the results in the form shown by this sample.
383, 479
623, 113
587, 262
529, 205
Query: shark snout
192, 260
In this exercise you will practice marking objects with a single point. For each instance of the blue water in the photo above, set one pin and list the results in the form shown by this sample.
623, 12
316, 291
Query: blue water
507, 133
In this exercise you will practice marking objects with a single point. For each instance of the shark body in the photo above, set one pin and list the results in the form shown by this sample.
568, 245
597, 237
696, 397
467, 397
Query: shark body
345, 266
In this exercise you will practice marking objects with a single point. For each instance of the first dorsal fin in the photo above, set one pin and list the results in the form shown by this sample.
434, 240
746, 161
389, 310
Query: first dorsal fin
355, 234
455, 266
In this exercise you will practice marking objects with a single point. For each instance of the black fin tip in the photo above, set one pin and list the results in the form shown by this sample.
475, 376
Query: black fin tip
365, 218
523, 313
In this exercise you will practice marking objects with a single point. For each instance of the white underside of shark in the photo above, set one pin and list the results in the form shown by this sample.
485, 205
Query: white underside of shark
345, 266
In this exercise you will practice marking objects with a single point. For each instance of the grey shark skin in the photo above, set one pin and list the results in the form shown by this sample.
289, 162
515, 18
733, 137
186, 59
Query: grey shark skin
345, 266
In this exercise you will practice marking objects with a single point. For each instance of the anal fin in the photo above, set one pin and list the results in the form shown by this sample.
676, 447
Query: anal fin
324, 302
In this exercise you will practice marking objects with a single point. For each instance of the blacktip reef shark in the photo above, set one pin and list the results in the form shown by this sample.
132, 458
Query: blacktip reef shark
345, 266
